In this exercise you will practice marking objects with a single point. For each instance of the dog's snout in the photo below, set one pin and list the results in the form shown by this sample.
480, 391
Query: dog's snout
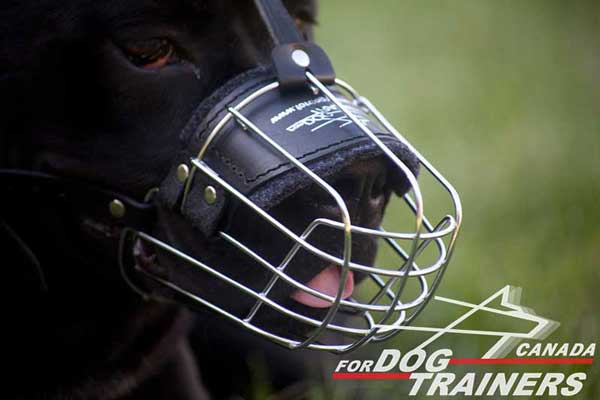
363, 187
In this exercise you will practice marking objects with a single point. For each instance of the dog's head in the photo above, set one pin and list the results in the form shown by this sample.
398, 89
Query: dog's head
266, 195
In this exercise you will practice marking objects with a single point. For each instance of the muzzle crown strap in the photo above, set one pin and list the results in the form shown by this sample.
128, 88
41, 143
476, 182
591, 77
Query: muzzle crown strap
292, 60
292, 56
278, 21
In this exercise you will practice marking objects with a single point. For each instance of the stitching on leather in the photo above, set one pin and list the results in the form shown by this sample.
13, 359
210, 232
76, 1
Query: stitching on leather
310, 153
238, 171
232, 166
210, 121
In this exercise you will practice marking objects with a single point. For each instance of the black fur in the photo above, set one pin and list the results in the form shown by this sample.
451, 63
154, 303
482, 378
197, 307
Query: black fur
75, 105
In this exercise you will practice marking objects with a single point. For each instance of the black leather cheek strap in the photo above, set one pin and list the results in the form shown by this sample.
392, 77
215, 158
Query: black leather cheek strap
203, 216
86, 201
310, 127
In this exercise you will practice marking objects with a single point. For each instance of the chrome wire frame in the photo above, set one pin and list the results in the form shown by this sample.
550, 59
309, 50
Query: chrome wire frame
372, 330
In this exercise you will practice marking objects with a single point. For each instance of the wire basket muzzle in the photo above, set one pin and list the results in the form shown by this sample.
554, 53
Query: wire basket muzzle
258, 146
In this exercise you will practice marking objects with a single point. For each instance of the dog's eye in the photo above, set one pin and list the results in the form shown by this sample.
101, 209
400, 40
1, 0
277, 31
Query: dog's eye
150, 53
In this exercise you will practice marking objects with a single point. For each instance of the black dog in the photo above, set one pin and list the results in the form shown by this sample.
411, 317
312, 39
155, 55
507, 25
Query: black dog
98, 92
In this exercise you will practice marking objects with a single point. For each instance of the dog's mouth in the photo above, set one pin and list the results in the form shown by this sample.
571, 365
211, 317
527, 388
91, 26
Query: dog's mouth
214, 273
327, 282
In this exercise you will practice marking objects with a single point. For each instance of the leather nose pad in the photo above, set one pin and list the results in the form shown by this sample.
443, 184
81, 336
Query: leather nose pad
363, 187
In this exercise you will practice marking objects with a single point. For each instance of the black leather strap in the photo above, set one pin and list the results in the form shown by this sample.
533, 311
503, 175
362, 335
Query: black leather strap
30, 273
287, 39
85, 200
278, 21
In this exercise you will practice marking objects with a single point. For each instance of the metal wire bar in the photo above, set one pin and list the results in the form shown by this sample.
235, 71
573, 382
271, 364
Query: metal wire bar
341, 205
243, 288
409, 176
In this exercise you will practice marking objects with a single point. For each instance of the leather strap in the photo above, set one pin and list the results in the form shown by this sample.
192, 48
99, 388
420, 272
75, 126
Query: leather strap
88, 201
287, 40
278, 21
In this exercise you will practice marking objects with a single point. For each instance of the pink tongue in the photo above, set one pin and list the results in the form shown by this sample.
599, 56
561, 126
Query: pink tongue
327, 282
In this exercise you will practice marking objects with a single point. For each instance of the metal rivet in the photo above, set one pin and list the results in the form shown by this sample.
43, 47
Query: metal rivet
117, 208
300, 58
182, 172
210, 195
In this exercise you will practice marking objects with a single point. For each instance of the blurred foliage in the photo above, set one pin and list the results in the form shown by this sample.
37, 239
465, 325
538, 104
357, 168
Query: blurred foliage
504, 98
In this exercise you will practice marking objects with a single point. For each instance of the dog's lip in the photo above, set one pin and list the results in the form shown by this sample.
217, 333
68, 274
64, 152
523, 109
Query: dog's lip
327, 282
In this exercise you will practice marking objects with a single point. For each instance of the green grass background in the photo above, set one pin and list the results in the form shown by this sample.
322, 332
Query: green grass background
504, 98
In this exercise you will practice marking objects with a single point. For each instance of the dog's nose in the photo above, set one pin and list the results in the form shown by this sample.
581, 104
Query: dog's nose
363, 187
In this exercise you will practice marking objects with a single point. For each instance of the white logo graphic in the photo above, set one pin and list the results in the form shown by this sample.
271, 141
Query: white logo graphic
325, 115
510, 299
